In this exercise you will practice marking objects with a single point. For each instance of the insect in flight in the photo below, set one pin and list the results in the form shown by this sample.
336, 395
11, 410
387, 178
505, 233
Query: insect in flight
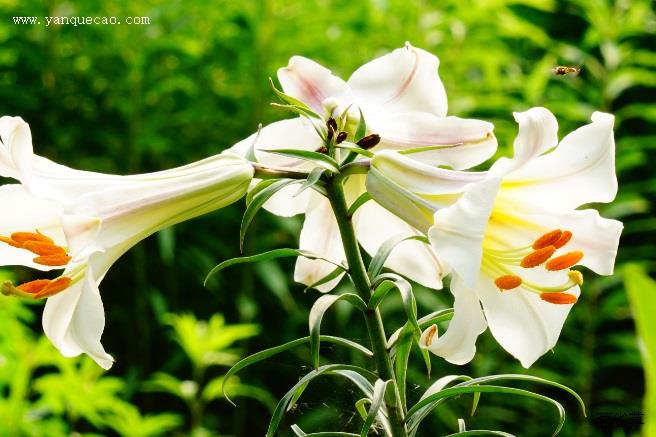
564, 70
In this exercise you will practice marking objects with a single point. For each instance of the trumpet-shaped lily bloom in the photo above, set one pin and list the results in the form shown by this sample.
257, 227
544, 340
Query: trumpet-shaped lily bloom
404, 104
512, 238
86, 230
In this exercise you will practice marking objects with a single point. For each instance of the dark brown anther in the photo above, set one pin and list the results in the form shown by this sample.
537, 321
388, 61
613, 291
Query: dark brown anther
322, 149
331, 124
369, 141
341, 137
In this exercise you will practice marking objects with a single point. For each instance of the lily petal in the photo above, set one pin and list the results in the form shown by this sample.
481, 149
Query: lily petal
74, 321
457, 235
522, 323
458, 344
580, 170
405, 80
15, 149
457, 142
312, 83
595, 236
294, 133
538, 132
412, 259
320, 235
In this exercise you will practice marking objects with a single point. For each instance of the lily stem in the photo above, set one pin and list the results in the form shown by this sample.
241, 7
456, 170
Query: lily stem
373, 319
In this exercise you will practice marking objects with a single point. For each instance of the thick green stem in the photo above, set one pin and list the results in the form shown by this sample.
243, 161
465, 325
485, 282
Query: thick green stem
374, 322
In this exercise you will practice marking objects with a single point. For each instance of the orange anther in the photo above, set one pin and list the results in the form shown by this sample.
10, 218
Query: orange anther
52, 260
563, 240
54, 287
11, 242
430, 334
558, 298
508, 282
537, 257
43, 248
34, 286
22, 237
564, 261
547, 239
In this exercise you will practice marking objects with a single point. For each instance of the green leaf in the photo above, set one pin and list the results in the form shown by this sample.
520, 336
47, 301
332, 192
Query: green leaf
265, 256
378, 261
354, 148
293, 101
250, 153
312, 179
401, 357
257, 201
424, 322
268, 353
297, 110
380, 387
455, 391
641, 290
316, 314
360, 407
259, 187
285, 403
299, 433
438, 385
362, 127
361, 200
320, 159
387, 282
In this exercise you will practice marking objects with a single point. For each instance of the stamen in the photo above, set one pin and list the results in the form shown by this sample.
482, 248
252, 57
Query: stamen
34, 286
537, 257
430, 334
22, 237
547, 239
55, 286
563, 240
508, 282
369, 141
558, 298
43, 248
52, 260
564, 261
341, 137
576, 277
11, 242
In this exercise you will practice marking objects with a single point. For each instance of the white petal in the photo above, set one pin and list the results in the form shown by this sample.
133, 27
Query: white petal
321, 236
580, 170
74, 321
81, 231
457, 235
458, 344
522, 323
413, 259
312, 83
293, 133
405, 80
597, 237
458, 142
25, 213
538, 132
420, 178
285, 203
15, 149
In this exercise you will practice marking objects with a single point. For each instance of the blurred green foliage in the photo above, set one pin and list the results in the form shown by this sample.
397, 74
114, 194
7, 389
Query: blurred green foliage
127, 99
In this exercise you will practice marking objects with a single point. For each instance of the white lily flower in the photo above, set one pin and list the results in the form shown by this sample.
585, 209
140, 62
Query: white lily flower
85, 230
403, 101
513, 237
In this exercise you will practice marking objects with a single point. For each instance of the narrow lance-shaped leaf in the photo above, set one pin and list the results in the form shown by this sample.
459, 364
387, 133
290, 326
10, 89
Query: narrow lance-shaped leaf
268, 353
293, 101
380, 388
378, 261
329, 277
284, 403
256, 203
317, 158
361, 200
312, 179
265, 256
316, 315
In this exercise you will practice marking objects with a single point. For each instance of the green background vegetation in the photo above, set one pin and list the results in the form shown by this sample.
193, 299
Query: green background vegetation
126, 99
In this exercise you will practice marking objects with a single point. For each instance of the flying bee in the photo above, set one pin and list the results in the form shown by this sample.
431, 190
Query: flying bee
563, 70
